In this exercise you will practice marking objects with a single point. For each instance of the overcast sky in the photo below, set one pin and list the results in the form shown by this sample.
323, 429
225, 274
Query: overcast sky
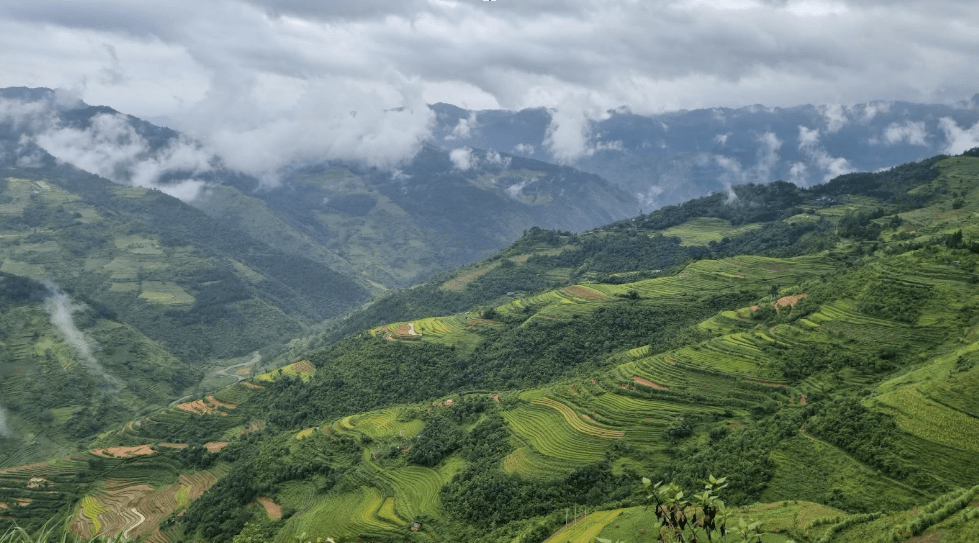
269, 69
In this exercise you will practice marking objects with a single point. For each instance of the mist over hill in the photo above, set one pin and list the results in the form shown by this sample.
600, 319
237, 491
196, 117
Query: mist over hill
671, 157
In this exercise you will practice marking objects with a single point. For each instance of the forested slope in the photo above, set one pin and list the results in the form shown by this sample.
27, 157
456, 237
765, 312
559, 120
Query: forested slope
820, 355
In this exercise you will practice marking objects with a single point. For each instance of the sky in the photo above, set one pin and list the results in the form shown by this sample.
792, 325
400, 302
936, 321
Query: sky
265, 82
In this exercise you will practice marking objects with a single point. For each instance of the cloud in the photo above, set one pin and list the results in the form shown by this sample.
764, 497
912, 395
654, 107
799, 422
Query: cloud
462, 158
913, 133
959, 140
761, 172
111, 147
799, 174
523, 148
331, 119
568, 133
818, 156
60, 308
463, 128
835, 117
649, 198
266, 83
4, 429
515, 190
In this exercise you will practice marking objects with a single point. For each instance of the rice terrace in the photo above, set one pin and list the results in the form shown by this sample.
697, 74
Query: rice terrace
818, 356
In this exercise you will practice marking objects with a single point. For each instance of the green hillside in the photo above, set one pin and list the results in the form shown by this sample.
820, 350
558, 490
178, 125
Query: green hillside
820, 352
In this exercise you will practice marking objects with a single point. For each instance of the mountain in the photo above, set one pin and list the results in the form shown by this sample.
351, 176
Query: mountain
436, 212
671, 157
380, 227
815, 346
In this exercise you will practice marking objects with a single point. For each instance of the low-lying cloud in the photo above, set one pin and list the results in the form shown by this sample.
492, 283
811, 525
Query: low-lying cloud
913, 133
959, 139
111, 147
812, 148
60, 309
4, 429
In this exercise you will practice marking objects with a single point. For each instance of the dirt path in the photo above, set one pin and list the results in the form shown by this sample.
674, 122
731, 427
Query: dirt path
125, 534
238, 378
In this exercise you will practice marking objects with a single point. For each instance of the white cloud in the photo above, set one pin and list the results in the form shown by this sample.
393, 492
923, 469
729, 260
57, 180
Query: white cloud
515, 190
648, 199
111, 147
835, 116
568, 136
911, 132
463, 128
959, 140
819, 157
799, 174
462, 158
722, 138
524, 148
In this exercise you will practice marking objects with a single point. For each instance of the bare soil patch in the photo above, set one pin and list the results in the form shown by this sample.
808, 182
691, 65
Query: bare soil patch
788, 301
215, 446
304, 366
208, 406
251, 385
803, 399
496, 398
273, 509
174, 445
648, 383
124, 452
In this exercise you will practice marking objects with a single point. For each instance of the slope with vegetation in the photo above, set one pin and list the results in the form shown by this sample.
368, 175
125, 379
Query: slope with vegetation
822, 360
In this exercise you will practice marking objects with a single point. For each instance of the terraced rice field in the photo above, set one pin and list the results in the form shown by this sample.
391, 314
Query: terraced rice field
578, 421
547, 431
134, 508
703, 230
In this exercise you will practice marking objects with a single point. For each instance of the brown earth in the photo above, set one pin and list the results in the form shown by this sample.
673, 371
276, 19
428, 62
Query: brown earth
215, 446
496, 398
802, 400
304, 366
273, 509
174, 445
124, 452
207, 406
648, 383
788, 301
251, 385
136, 509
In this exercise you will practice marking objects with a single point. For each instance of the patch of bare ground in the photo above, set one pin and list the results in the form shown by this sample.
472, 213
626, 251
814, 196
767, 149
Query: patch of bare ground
174, 445
136, 509
249, 384
303, 366
648, 383
788, 301
215, 446
208, 406
124, 452
273, 509
496, 398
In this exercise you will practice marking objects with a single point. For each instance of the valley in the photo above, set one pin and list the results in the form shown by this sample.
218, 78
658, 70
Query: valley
814, 346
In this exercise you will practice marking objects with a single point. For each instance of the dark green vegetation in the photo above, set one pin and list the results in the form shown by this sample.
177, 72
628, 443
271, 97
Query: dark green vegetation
397, 228
822, 359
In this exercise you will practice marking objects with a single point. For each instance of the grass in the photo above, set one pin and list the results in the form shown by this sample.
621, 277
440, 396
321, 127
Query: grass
702, 230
